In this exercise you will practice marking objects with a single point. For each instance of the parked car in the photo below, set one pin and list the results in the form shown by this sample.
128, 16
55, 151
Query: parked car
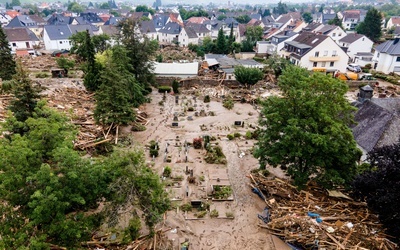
58, 53
354, 67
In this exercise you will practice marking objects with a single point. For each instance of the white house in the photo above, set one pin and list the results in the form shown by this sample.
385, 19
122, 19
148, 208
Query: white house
333, 31
57, 37
169, 33
310, 50
387, 56
4, 19
22, 39
355, 44
187, 36
393, 22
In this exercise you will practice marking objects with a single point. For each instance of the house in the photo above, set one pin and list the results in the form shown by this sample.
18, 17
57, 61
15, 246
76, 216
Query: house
200, 29
114, 21
33, 22
197, 20
88, 18
169, 33
160, 20
393, 22
180, 70
59, 19
56, 37
333, 31
4, 19
311, 50
313, 27
187, 36
275, 44
356, 44
147, 29
387, 56
350, 18
323, 18
141, 15
378, 123
22, 39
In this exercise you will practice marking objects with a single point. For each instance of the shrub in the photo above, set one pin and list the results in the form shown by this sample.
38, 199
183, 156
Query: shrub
215, 155
167, 171
132, 232
249, 135
154, 148
201, 214
42, 75
237, 135
222, 192
230, 137
214, 213
163, 89
197, 143
187, 207
175, 87
207, 98
191, 109
228, 103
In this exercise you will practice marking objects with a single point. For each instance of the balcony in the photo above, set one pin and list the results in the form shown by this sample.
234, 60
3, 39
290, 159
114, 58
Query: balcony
324, 58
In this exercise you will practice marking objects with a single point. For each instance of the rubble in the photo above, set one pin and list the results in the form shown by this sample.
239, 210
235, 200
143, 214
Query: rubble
313, 218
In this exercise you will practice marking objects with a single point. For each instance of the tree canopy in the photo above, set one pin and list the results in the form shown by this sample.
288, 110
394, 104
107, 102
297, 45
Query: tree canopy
248, 76
379, 186
144, 8
7, 69
336, 21
371, 26
306, 130
307, 17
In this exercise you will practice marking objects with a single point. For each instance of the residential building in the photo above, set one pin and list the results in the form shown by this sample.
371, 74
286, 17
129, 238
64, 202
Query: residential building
357, 44
169, 33
200, 29
393, 22
333, 31
350, 18
147, 29
180, 70
4, 19
387, 56
187, 36
56, 37
22, 41
310, 50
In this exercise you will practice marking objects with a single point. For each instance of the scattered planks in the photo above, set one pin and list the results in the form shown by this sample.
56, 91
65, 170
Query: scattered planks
346, 224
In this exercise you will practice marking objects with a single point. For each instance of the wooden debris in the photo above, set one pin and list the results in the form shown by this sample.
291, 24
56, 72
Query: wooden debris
312, 218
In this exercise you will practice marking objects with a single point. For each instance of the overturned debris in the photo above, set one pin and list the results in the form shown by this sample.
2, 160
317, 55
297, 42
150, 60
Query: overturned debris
313, 218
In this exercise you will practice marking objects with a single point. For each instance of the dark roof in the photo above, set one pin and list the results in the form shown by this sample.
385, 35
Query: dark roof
90, 17
376, 125
20, 34
79, 28
37, 19
147, 27
327, 28
114, 21
310, 39
311, 26
59, 19
351, 38
110, 30
190, 32
160, 20
391, 47
397, 30
171, 28
327, 17
256, 16
351, 14
198, 28
58, 32
21, 21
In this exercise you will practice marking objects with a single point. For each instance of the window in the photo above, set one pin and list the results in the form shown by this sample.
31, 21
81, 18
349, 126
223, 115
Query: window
323, 64
334, 53
14, 44
317, 54
363, 39
325, 53
334, 34
27, 45
332, 64
315, 64
60, 42
378, 55
398, 59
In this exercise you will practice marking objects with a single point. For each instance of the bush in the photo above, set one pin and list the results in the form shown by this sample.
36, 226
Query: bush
230, 137
201, 214
132, 232
237, 135
191, 109
154, 148
228, 103
167, 171
222, 192
187, 207
249, 135
163, 89
197, 143
207, 98
214, 213
215, 155
175, 87
42, 75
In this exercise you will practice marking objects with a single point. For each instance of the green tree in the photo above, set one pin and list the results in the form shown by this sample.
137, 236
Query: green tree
15, 3
144, 8
253, 34
306, 131
371, 26
221, 47
336, 21
105, 6
7, 69
231, 40
266, 12
307, 17
101, 42
65, 64
25, 99
221, 17
141, 51
281, 8
91, 68
243, 19
248, 76
76, 7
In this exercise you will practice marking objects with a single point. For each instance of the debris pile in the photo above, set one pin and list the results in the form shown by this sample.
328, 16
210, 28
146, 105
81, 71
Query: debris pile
317, 217
173, 53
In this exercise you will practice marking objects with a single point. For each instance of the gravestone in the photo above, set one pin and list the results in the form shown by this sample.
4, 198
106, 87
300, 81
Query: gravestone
238, 123
175, 124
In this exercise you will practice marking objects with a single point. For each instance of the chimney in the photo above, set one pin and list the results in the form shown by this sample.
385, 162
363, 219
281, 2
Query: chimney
366, 93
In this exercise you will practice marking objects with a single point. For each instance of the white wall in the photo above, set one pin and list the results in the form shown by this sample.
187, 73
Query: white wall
337, 34
330, 46
55, 44
22, 45
361, 45
386, 62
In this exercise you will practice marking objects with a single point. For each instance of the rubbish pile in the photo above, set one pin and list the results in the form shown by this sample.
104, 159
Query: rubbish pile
317, 218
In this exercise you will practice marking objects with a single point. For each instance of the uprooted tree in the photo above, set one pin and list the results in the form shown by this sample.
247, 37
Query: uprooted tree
306, 130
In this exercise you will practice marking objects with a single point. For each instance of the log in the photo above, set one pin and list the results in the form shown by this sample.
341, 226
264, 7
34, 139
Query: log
94, 144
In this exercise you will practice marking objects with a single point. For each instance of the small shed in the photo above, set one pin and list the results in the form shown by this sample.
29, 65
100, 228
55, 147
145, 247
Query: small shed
58, 73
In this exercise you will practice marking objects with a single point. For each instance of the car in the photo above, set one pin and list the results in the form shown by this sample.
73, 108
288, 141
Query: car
354, 67
58, 53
